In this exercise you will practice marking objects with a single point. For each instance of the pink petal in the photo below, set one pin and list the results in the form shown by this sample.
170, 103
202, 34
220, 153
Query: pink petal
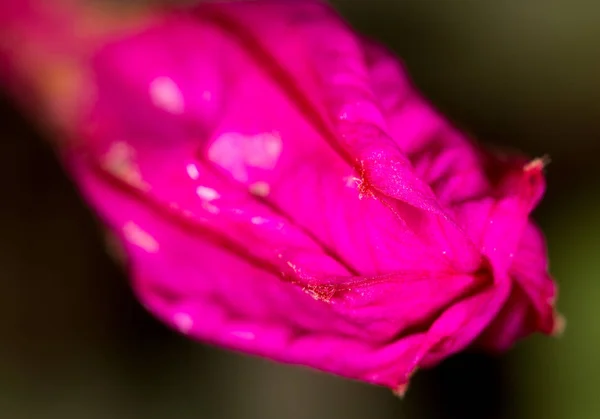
281, 189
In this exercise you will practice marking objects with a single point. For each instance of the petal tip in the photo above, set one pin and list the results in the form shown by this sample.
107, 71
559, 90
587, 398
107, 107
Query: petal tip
537, 164
401, 390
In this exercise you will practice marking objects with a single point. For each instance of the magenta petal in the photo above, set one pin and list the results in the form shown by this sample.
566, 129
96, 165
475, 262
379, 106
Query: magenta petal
281, 189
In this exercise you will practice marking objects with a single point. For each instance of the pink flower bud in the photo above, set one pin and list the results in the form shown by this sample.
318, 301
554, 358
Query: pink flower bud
281, 189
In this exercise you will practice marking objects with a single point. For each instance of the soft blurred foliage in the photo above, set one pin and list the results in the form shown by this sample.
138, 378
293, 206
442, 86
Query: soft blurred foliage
75, 343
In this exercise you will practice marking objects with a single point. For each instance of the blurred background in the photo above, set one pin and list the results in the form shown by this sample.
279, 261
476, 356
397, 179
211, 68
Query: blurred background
74, 343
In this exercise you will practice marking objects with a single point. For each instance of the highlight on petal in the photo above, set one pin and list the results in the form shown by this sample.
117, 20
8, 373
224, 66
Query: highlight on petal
281, 189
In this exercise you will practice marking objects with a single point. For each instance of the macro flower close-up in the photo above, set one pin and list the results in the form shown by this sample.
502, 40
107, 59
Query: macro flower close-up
213, 204
277, 186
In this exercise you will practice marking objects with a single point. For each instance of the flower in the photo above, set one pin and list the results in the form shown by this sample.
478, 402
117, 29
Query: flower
280, 188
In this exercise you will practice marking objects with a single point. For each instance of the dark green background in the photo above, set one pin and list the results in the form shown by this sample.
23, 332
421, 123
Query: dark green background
75, 344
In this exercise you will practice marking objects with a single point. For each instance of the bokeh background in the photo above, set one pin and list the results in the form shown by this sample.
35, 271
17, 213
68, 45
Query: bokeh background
75, 344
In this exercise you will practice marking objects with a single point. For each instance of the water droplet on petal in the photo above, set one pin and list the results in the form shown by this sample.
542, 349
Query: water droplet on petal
183, 322
243, 334
352, 182
192, 171
260, 189
258, 220
135, 235
166, 95
120, 162
213, 209
207, 193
